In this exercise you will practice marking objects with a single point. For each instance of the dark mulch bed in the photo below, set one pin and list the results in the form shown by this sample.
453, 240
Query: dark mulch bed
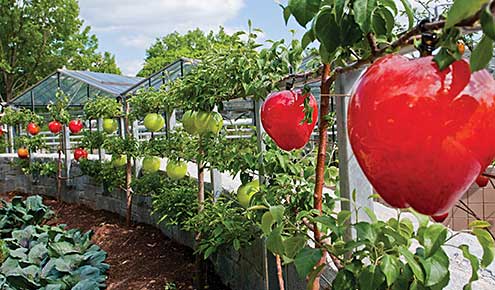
140, 256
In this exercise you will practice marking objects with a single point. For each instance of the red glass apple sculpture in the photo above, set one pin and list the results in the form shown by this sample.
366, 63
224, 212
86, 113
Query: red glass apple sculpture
80, 153
282, 116
75, 126
55, 127
422, 136
33, 129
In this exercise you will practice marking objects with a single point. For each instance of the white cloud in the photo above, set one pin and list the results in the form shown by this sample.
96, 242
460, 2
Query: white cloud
136, 41
128, 27
130, 67
153, 17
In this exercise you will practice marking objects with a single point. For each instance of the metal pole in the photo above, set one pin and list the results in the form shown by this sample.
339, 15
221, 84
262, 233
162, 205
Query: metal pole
261, 149
352, 177
68, 156
32, 100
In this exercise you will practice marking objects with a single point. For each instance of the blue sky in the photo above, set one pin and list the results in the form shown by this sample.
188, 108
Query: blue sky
127, 27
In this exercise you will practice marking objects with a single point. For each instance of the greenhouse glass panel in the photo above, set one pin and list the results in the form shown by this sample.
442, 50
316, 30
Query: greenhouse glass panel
173, 71
78, 85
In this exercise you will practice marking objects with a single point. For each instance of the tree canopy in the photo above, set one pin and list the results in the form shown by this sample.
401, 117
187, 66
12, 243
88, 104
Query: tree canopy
37, 37
193, 44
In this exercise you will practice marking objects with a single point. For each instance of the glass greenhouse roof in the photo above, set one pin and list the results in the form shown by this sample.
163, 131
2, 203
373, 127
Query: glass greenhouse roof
78, 85
171, 72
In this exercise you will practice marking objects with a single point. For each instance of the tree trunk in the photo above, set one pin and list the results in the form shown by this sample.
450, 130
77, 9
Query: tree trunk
200, 267
320, 164
8, 88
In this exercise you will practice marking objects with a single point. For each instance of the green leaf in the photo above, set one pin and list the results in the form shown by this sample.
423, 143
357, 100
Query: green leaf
326, 30
365, 232
370, 214
473, 260
413, 264
343, 216
486, 242
443, 59
378, 22
409, 13
306, 260
482, 54
266, 223
433, 238
462, 9
479, 224
274, 242
304, 10
487, 22
391, 268
371, 278
436, 268
287, 13
293, 245
277, 212
308, 38
363, 10
390, 4
339, 9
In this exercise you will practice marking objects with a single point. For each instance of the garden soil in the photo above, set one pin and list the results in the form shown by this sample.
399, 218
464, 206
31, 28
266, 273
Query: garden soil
140, 256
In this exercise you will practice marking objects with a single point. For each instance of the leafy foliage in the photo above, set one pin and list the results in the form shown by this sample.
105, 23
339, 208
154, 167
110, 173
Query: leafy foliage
174, 203
92, 139
58, 109
150, 101
45, 257
193, 44
20, 116
19, 213
104, 173
245, 72
222, 223
37, 168
37, 37
102, 107
33, 143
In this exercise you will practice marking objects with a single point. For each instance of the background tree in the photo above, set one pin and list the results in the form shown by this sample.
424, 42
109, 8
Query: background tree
37, 37
193, 44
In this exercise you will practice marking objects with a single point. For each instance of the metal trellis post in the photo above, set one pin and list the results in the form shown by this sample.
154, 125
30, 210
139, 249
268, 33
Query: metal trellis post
351, 176
261, 149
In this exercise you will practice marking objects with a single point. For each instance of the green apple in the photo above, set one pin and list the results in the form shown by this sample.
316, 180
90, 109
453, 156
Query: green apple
151, 164
246, 191
176, 169
201, 122
110, 125
215, 123
188, 122
119, 161
154, 122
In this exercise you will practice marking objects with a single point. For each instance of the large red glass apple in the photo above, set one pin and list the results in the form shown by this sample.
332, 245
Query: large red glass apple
421, 135
282, 116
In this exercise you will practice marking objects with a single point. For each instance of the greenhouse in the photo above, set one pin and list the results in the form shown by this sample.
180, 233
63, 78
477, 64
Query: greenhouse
358, 156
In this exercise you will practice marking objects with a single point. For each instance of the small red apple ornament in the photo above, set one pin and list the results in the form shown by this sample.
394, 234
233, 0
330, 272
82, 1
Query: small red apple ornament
80, 153
75, 126
282, 116
55, 127
416, 130
482, 181
33, 129
1, 131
